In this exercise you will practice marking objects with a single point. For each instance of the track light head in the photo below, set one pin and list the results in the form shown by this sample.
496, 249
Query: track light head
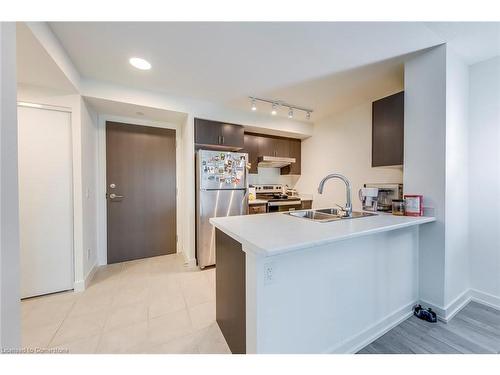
254, 105
274, 109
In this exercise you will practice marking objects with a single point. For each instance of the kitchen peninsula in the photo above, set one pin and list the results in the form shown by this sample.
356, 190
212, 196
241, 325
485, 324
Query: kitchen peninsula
291, 285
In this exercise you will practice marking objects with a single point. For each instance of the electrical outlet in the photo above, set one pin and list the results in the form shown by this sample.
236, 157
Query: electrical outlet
269, 273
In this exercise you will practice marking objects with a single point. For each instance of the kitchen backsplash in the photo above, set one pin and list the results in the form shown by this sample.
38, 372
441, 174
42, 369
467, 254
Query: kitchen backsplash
272, 176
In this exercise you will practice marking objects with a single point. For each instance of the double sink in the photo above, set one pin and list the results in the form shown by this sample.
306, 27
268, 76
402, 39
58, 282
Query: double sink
327, 214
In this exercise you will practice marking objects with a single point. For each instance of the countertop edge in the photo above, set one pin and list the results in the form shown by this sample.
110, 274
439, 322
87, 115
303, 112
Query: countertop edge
248, 246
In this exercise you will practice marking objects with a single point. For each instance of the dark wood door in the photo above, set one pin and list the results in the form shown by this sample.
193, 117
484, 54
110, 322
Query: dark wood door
388, 130
140, 171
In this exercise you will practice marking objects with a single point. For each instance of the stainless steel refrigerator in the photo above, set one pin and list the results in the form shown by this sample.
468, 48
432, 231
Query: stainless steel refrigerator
221, 179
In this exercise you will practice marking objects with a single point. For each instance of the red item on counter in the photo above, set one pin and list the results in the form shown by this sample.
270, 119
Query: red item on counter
414, 205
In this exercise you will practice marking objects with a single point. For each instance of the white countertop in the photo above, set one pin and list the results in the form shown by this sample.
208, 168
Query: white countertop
278, 233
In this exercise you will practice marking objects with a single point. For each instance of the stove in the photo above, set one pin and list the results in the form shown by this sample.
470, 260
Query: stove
277, 200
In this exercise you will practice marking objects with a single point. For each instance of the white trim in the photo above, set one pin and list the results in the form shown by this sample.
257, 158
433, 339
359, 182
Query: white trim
484, 298
190, 263
48, 107
372, 333
101, 180
81, 285
447, 313
359, 341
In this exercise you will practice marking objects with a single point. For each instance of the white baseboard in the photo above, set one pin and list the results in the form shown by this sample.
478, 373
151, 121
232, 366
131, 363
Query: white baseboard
81, 285
485, 298
445, 314
190, 263
373, 332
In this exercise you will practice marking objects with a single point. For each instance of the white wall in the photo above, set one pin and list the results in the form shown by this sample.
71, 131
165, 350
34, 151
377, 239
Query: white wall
425, 161
484, 182
437, 166
89, 129
342, 144
272, 176
10, 312
457, 177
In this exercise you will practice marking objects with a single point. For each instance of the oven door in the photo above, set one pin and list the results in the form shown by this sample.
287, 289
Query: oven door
281, 206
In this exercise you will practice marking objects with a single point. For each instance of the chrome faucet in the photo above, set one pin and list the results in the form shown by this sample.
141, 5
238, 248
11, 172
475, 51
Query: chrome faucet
348, 205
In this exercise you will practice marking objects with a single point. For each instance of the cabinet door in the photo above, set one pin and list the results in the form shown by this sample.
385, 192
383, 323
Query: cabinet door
251, 146
256, 209
232, 135
388, 130
266, 146
207, 132
295, 152
282, 147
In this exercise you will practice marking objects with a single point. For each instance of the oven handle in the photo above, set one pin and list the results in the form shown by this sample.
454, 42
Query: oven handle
284, 203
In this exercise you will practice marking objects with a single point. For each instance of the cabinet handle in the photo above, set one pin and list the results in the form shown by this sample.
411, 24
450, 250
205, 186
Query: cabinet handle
222, 139
218, 139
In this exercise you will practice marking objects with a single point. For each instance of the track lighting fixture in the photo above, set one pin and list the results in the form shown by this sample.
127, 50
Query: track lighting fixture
275, 104
254, 105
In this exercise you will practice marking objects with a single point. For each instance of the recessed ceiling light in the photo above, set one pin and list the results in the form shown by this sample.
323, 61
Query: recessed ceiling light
139, 63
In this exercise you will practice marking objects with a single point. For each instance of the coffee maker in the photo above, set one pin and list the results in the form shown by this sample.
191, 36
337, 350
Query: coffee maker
369, 198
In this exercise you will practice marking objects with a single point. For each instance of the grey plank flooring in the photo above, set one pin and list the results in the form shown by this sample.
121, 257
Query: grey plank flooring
475, 330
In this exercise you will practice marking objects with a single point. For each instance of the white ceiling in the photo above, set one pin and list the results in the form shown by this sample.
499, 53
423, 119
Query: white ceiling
474, 41
324, 66
128, 110
35, 66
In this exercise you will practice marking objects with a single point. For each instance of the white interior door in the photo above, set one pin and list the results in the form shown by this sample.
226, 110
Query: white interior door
46, 201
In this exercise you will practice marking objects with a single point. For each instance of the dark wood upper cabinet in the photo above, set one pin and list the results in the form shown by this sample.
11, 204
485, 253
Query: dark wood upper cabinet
266, 145
295, 150
388, 130
218, 135
282, 147
232, 135
251, 147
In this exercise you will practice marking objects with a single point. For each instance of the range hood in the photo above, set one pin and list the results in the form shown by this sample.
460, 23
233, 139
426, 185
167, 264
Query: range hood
274, 161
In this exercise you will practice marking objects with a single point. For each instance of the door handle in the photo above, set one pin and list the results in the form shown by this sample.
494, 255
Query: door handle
113, 196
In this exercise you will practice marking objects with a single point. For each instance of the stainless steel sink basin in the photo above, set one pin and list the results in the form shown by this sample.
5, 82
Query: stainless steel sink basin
337, 212
313, 215
327, 214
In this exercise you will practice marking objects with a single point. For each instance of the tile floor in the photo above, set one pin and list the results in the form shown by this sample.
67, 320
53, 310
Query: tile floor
152, 305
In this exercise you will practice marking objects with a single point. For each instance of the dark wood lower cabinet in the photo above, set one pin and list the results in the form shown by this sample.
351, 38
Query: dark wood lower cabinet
306, 205
231, 291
